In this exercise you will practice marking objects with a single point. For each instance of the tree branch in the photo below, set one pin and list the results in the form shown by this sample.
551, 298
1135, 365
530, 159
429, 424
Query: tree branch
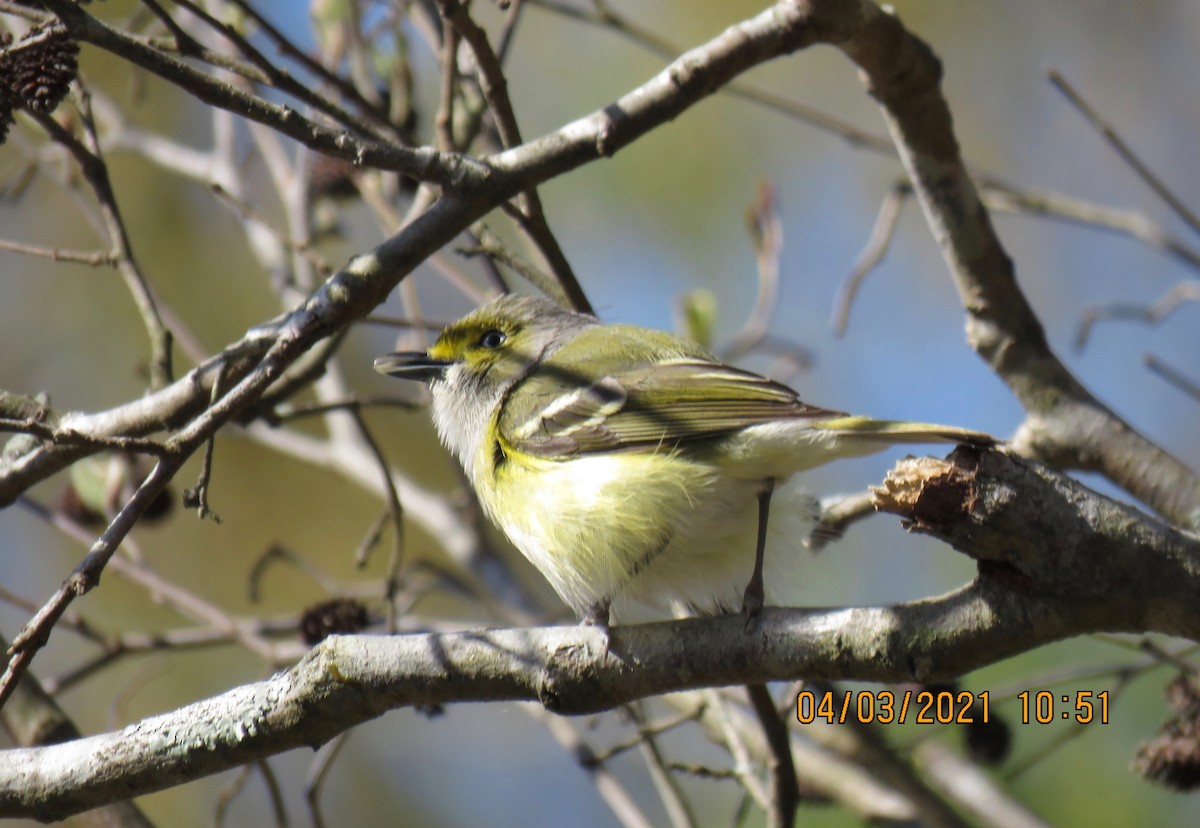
358, 288
1066, 425
1085, 564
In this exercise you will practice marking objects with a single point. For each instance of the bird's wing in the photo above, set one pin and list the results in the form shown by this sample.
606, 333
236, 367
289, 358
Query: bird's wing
645, 407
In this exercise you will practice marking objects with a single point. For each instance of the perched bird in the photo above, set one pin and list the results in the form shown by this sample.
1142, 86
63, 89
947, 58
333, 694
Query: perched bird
630, 466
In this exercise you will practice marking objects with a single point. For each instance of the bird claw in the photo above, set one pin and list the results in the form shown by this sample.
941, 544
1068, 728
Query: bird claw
598, 616
752, 605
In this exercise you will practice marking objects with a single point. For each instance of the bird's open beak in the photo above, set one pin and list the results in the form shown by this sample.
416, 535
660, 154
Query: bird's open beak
412, 365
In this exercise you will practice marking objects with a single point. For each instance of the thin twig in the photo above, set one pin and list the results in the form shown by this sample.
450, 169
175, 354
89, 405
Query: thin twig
291, 50
736, 745
278, 417
395, 509
67, 437
86, 575
512, 20
94, 258
1173, 376
1166, 305
672, 798
1129, 223
781, 769
91, 163
229, 792
608, 786
872, 254
139, 643
495, 91
362, 555
282, 80
1110, 134
1062, 737
197, 496
837, 516
491, 247
443, 121
247, 212
424, 164
274, 792
766, 232
400, 322
278, 552
649, 729
318, 772
605, 16
185, 603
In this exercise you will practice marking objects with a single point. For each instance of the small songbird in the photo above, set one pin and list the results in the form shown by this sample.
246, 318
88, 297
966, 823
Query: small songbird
630, 466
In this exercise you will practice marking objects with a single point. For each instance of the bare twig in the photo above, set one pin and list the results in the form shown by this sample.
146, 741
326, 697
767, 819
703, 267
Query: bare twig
197, 496
784, 794
867, 747
422, 164
1166, 305
966, 784
318, 772
766, 233
512, 20
1129, 223
839, 515
1173, 376
86, 575
608, 786
443, 121
603, 14
493, 249
87, 155
94, 258
248, 213
229, 792
648, 730
1126, 152
294, 52
665, 783
734, 740
67, 437
395, 510
495, 92
872, 254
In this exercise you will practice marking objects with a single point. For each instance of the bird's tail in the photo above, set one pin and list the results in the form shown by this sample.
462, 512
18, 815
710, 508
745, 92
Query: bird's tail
891, 432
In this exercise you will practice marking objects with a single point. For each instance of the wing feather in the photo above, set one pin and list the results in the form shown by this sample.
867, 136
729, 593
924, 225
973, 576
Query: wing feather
644, 407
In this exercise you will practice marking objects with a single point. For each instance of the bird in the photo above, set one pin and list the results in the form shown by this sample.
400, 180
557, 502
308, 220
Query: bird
630, 466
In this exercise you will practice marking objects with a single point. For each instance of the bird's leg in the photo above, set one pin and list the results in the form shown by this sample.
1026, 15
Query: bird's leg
597, 615
752, 598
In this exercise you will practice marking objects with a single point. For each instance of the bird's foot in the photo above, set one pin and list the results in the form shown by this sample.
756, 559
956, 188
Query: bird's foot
598, 616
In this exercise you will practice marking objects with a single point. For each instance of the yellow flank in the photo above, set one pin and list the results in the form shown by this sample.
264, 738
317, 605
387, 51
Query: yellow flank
583, 523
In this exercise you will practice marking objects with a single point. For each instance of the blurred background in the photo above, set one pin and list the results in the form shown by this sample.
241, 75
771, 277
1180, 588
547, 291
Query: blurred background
663, 218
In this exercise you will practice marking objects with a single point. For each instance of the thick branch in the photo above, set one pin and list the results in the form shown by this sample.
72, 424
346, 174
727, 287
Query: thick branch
1056, 560
1066, 425
1104, 563
350, 679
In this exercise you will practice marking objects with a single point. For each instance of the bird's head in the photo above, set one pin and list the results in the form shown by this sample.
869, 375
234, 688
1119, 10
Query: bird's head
477, 359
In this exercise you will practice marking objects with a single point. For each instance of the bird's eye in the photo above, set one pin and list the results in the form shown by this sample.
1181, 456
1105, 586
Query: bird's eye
492, 339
